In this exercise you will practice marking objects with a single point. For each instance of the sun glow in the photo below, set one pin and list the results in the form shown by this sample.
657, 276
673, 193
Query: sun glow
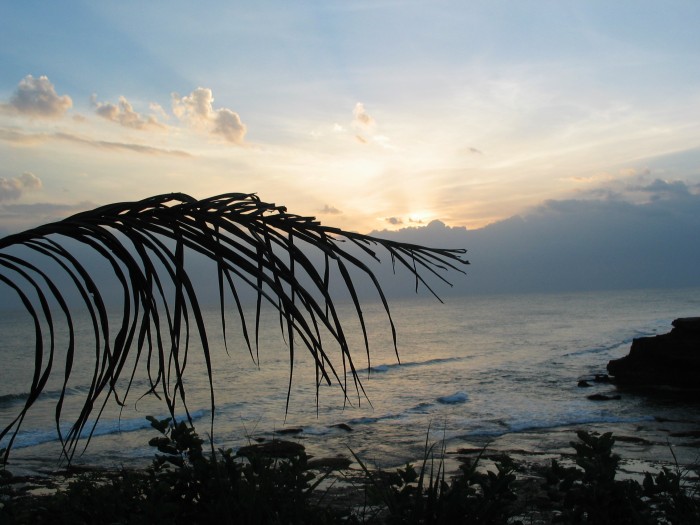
420, 217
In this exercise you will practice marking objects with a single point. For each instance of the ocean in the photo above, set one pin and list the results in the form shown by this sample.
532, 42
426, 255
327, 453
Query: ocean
475, 366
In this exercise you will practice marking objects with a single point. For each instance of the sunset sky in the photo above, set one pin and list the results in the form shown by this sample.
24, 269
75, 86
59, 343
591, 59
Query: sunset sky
367, 114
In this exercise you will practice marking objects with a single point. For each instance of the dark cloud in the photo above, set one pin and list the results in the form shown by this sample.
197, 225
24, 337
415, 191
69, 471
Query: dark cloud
663, 189
123, 113
37, 97
578, 245
12, 189
394, 220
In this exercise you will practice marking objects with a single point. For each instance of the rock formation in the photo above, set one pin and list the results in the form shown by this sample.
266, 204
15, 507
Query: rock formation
671, 359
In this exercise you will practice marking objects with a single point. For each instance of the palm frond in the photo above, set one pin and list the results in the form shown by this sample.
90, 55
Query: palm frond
253, 244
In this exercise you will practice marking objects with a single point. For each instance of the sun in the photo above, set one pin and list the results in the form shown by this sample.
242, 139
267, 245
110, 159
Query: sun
420, 217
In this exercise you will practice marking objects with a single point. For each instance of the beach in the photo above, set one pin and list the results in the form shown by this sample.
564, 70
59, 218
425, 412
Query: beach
644, 449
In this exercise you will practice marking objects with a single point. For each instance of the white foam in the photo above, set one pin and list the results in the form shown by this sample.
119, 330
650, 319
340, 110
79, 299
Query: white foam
453, 399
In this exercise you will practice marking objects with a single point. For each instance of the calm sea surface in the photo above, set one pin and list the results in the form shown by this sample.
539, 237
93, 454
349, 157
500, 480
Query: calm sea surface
474, 366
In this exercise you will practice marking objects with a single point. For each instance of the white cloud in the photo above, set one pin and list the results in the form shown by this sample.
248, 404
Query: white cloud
197, 110
12, 189
36, 97
228, 124
361, 118
124, 114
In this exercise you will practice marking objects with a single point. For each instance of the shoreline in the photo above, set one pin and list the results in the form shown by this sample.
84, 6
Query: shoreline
644, 447
664, 449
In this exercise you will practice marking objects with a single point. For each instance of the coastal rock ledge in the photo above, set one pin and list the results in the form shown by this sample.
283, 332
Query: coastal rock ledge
671, 359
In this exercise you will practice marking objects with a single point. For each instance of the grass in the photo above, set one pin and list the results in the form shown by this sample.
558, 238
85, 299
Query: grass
277, 484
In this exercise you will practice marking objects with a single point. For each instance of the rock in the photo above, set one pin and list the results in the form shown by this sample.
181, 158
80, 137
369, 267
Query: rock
603, 397
273, 449
671, 359
287, 431
343, 426
336, 463
583, 384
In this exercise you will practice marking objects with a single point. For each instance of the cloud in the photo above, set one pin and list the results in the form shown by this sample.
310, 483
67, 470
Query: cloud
36, 97
394, 220
660, 189
641, 188
197, 110
12, 189
608, 177
36, 138
578, 244
120, 146
469, 150
361, 117
10, 135
123, 113
330, 210
19, 217
228, 124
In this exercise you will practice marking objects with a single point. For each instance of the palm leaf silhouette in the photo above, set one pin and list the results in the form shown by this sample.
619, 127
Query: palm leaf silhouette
252, 243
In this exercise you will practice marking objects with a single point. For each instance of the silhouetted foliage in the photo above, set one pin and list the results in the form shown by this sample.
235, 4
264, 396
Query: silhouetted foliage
252, 243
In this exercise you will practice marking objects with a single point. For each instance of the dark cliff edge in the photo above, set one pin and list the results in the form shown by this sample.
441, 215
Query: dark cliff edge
667, 360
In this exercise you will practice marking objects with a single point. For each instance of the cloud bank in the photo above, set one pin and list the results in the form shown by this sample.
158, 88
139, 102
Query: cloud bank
579, 244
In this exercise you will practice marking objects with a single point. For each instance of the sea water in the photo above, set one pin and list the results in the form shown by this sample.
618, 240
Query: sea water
473, 366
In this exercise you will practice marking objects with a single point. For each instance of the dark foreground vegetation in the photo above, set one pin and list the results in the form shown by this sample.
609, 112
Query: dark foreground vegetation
281, 485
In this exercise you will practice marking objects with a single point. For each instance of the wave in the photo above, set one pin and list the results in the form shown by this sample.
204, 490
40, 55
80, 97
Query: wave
409, 364
421, 408
503, 427
600, 349
369, 420
586, 420
454, 399
9, 399
625, 342
78, 390
31, 438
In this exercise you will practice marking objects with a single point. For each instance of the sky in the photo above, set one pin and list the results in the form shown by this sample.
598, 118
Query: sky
370, 115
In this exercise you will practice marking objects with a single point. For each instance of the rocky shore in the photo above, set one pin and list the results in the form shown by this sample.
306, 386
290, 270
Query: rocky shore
668, 360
